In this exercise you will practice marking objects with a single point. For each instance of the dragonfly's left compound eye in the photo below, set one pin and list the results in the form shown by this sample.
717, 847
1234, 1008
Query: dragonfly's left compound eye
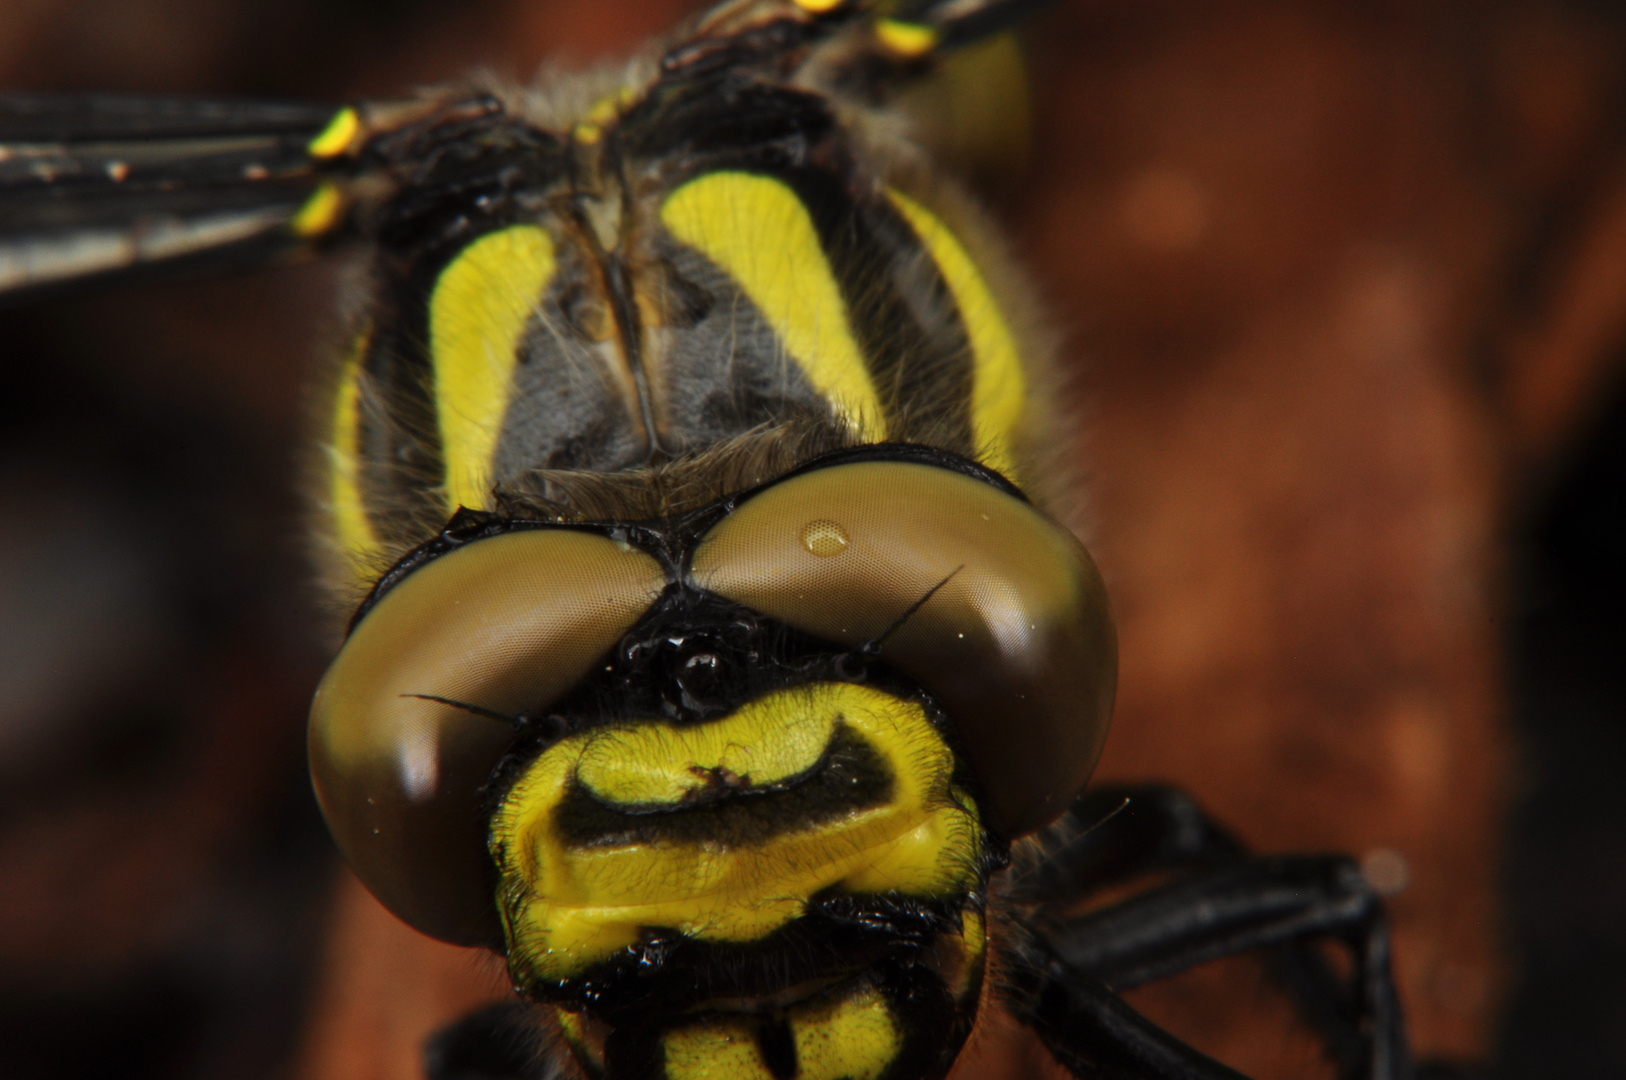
506, 625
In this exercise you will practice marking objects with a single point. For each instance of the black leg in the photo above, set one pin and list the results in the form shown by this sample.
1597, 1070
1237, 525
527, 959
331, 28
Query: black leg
1113, 834
1256, 904
1091, 1031
498, 1042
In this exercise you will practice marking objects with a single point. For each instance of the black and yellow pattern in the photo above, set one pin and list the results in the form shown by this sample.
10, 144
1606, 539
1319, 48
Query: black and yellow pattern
646, 319
726, 831
746, 841
705, 278
711, 656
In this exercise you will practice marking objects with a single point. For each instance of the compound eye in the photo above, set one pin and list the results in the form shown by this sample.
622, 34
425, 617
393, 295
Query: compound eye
1016, 641
505, 625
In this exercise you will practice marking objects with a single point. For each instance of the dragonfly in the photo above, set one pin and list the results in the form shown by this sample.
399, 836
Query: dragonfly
717, 657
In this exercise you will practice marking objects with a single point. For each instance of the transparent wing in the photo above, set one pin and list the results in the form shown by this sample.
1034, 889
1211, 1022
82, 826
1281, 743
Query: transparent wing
95, 186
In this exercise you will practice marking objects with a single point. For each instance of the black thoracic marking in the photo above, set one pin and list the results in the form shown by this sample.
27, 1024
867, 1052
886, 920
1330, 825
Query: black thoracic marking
933, 380
908, 328
851, 776
464, 172
399, 466
727, 120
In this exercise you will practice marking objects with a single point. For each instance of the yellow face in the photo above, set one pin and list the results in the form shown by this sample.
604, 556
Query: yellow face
741, 774
792, 889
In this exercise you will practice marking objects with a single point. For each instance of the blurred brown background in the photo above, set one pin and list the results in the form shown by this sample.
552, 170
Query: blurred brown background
1344, 297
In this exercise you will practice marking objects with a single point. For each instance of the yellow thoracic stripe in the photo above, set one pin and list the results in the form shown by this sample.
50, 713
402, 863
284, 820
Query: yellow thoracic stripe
350, 525
757, 230
477, 315
567, 908
999, 385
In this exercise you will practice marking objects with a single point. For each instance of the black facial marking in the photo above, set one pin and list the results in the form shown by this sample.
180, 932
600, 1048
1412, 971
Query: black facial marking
778, 1046
851, 776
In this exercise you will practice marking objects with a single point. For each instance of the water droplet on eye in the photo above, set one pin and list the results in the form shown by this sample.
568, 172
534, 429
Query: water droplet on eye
824, 538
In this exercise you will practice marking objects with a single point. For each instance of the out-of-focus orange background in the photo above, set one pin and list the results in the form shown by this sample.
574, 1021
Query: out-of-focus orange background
1343, 296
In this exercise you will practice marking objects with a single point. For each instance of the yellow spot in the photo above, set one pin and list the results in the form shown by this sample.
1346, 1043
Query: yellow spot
819, 7
335, 139
477, 315
906, 39
566, 908
854, 1038
824, 538
724, 1049
608, 107
602, 113
350, 524
999, 385
758, 231
320, 212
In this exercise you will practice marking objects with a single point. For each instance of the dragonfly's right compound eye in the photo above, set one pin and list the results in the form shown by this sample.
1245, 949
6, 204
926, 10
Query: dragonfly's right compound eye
987, 603
504, 625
